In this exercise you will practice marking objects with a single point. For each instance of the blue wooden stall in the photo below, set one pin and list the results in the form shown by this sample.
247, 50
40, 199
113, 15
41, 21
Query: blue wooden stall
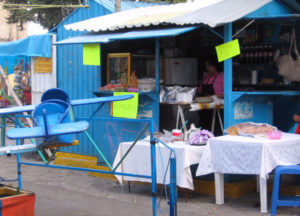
82, 81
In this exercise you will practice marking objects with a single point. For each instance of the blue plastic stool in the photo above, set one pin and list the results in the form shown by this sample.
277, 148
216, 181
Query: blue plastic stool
278, 200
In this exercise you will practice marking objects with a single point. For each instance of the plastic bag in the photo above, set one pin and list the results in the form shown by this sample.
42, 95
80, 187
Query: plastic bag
200, 137
288, 67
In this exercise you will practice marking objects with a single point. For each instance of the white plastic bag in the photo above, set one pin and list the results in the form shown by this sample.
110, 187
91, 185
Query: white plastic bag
288, 67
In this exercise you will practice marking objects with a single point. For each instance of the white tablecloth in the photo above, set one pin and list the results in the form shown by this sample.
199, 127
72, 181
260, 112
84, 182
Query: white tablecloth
247, 155
138, 162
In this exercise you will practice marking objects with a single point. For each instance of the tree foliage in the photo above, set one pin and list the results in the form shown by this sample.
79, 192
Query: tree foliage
47, 17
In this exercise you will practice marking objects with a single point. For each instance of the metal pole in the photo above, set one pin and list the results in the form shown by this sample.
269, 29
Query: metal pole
242, 29
98, 150
157, 80
19, 166
157, 65
215, 32
19, 122
173, 183
72, 117
84, 169
153, 168
228, 108
173, 187
94, 113
118, 6
3, 124
132, 145
42, 156
18, 157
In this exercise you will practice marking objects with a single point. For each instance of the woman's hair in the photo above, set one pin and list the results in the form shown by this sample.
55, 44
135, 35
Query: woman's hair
213, 60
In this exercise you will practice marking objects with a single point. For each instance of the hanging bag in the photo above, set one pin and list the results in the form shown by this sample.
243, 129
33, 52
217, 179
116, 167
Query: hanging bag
287, 65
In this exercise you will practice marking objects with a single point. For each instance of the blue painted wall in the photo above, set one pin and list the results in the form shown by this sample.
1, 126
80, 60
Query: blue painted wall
253, 108
80, 81
272, 9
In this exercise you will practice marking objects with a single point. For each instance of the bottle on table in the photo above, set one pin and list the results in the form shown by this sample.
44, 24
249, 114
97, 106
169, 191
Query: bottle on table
134, 80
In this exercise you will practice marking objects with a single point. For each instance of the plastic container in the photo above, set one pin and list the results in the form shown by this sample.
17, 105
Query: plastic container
254, 77
176, 132
146, 84
184, 97
274, 134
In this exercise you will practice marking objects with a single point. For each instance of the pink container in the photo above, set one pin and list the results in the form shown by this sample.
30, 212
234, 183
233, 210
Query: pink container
274, 134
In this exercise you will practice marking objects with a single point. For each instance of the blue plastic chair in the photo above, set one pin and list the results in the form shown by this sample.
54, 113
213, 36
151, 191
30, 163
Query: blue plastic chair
278, 200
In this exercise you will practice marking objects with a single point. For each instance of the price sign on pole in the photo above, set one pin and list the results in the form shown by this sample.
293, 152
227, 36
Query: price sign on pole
228, 50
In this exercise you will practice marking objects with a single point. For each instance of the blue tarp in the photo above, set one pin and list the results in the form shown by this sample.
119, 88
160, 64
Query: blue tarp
135, 34
36, 45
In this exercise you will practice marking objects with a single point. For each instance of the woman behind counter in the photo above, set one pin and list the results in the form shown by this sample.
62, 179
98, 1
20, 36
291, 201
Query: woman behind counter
213, 80
212, 84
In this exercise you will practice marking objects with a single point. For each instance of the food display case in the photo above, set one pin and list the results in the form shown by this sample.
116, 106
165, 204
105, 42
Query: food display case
118, 68
119, 73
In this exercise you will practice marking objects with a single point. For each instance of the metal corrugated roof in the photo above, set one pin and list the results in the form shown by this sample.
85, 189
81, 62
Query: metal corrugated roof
220, 13
126, 4
210, 12
136, 34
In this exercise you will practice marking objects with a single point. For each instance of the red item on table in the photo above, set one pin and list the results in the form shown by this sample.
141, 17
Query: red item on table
297, 131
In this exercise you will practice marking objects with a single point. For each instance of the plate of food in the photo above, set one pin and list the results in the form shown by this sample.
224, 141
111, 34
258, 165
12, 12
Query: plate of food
251, 129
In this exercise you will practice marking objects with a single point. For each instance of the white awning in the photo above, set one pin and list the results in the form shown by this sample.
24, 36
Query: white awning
209, 12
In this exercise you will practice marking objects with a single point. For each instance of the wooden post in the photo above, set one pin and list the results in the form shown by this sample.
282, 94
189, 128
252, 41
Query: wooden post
118, 6
11, 91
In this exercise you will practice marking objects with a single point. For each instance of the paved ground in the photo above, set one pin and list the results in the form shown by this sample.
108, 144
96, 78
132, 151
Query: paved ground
64, 193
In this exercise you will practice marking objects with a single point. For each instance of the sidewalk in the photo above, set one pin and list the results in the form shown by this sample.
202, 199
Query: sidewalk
64, 193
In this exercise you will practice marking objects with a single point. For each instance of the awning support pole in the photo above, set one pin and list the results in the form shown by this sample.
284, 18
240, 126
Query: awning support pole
157, 80
242, 29
215, 32
153, 169
228, 108
157, 65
